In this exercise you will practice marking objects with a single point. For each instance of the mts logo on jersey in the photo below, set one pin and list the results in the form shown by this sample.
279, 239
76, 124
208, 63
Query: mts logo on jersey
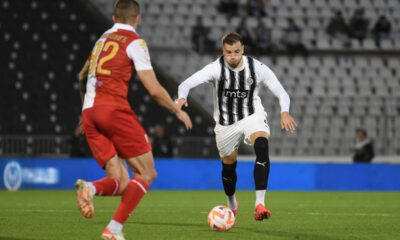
236, 93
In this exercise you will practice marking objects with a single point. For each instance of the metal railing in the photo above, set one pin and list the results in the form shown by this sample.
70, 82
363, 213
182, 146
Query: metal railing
35, 145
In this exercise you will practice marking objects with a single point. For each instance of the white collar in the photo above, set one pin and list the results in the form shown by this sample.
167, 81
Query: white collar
124, 26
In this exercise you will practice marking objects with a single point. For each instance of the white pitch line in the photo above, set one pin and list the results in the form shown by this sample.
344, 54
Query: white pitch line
344, 214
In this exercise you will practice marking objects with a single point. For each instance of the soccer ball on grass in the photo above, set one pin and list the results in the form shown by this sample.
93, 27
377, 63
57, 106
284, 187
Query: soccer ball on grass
221, 218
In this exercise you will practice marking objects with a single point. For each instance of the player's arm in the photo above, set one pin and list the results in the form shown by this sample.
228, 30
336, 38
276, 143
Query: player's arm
156, 91
161, 96
83, 79
82, 76
287, 121
202, 76
139, 53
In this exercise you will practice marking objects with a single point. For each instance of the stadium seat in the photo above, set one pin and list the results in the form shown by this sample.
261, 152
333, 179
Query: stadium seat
326, 82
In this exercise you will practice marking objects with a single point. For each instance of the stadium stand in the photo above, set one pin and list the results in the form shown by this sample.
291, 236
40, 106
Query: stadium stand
45, 45
334, 91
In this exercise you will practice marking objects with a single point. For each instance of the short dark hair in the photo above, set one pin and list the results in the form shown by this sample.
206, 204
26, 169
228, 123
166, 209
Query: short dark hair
362, 131
232, 38
124, 9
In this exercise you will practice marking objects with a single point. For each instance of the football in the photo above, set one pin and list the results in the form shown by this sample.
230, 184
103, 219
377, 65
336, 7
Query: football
221, 218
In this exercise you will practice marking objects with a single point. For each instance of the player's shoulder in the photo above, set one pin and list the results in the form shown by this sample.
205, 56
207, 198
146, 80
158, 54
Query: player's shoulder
124, 37
218, 61
260, 66
213, 64
131, 35
256, 62
139, 42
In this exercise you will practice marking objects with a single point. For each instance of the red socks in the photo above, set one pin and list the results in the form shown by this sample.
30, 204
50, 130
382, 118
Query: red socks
131, 197
107, 186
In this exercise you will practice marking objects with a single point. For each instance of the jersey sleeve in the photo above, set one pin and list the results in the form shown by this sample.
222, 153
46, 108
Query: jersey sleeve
269, 79
139, 53
207, 74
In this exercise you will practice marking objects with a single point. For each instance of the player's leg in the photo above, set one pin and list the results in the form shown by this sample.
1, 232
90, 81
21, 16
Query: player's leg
144, 174
228, 139
257, 133
114, 184
229, 179
116, 181
133, 145
99, 125
105, 154
259, 140
119, 172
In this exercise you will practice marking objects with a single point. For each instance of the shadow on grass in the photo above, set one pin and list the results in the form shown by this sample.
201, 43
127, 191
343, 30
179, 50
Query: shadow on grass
168, 224
202, 227
290, 235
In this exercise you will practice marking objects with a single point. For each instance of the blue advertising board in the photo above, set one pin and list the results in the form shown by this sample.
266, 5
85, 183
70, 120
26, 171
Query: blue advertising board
203, 174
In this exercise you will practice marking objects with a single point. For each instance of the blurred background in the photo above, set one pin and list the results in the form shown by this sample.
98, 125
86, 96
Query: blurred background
338, 60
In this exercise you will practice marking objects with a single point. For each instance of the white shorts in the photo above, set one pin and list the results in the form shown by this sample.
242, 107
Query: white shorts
229, 137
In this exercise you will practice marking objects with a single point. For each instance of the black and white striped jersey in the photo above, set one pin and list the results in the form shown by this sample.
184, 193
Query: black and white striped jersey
236, 89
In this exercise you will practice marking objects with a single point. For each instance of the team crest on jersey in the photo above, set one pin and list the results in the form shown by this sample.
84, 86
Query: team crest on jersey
142, 43
250, 80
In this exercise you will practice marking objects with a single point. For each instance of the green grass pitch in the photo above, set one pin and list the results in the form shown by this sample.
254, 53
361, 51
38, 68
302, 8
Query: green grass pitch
183, 215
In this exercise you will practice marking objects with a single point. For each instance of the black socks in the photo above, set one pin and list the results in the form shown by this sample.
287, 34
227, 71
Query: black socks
262, 165
229, 178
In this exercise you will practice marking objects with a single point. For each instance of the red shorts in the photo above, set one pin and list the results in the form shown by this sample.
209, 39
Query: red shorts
111, 130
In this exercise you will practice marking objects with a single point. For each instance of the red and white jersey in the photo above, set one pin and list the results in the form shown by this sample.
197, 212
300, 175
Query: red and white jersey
114, 56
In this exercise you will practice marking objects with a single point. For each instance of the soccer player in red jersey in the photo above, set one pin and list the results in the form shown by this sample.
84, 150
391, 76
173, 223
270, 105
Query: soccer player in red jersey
111, 127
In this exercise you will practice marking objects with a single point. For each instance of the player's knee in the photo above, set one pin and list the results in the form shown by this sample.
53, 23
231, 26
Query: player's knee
261, 144
150, 176
228, 169
116, 174
261, 149
153, 175
123, 184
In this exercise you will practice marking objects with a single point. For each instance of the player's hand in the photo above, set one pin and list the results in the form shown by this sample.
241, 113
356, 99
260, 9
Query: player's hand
180, 102
287, 122
183, 117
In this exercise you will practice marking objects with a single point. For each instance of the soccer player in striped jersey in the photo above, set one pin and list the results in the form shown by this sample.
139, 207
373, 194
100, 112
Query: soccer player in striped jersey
239, 114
